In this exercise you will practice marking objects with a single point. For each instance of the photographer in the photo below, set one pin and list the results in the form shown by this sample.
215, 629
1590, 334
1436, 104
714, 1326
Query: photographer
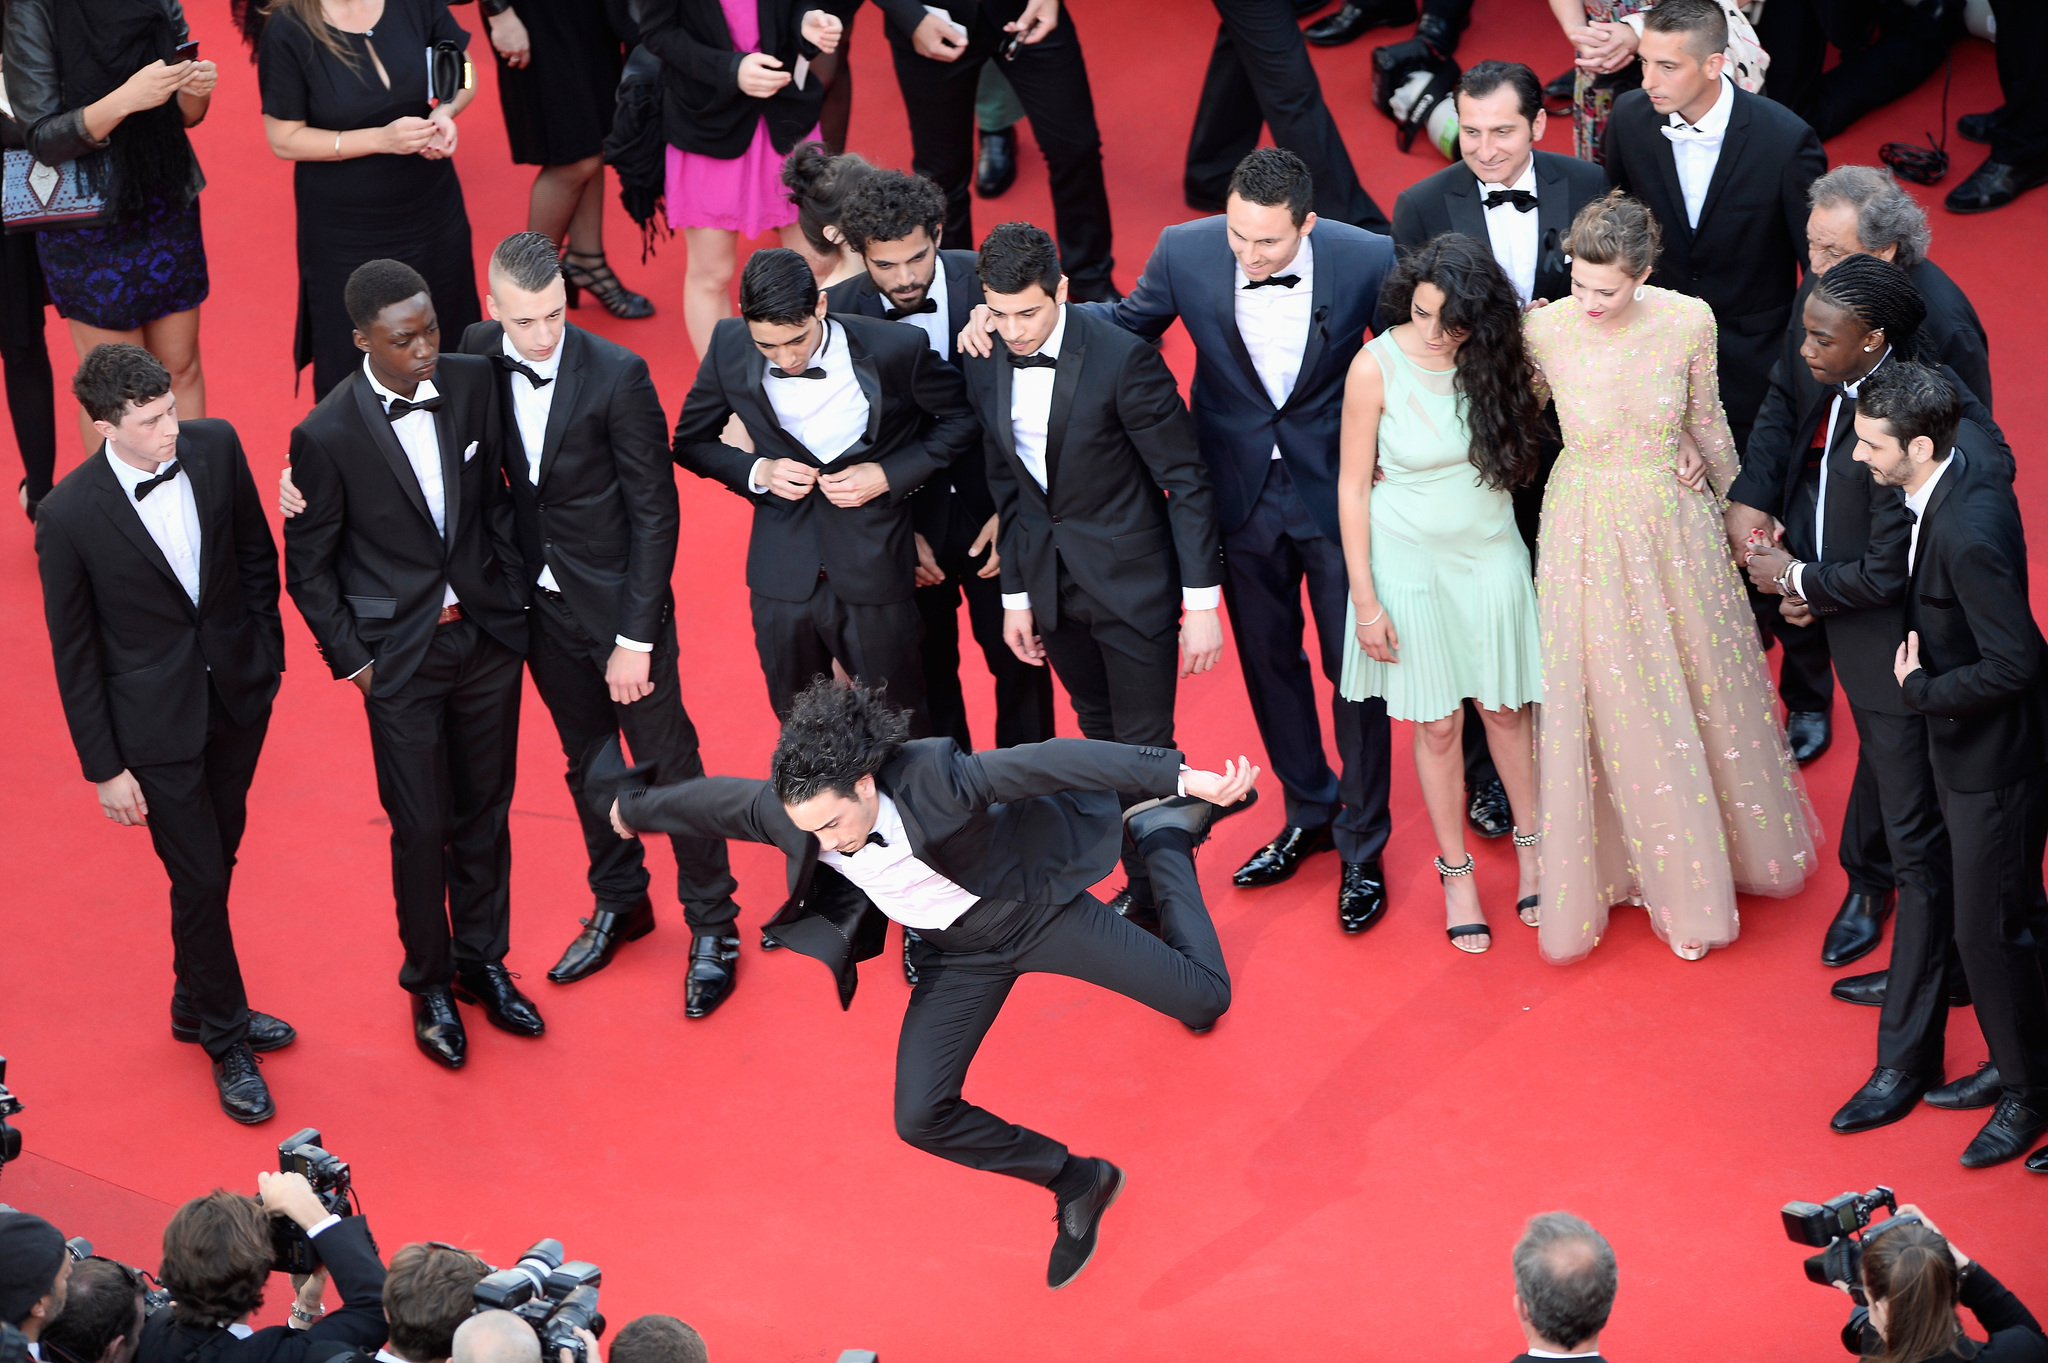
427, 1295
1564, 1287
1914, 1279
102, 1318
35, 1273
218, 1255
496, 1337
657, 1339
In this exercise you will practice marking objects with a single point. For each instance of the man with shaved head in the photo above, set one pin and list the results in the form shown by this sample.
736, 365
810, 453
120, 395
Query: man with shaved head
495, 1337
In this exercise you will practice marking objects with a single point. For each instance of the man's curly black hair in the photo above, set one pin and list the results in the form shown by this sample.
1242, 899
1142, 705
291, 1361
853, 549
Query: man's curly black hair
835, 735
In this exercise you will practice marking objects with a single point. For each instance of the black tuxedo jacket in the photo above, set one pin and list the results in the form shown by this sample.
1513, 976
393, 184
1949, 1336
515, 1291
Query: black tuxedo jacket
133, 653
1119, 442
604, 516
965, 481
918, 423
351, 1258
1192, 275
702, 107
1038, 822
1747, 254
1450, 201
1983, 678
363, 561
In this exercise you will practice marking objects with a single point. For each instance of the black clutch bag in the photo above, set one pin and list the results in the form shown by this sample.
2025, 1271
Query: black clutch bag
448, 74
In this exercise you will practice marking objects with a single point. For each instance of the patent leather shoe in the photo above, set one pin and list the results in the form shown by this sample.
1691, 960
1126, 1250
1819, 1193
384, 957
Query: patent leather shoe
1361, 896
506, 1008
2038, 1161
1358, 18
604, 932
437, 1028
1487, 811
1560, 91
996, 169
1994, 185
1980, 127
1979, 1088
243, 1094
1282, 857
2012, 1128
1809, 733
1125, 905
714, 967
1080, 1221
266, 1033
1857, 928
1885, 1097
1870, 990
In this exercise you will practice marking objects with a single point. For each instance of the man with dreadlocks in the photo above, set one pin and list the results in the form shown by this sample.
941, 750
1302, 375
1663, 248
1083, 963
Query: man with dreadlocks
1842, 568
988, 856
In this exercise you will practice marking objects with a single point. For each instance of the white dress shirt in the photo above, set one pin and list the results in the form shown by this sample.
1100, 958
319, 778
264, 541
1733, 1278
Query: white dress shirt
1274, 320
900, 885
1820, 498
416, 435
1546, 1353
826, 416
1513, 232
1696, 149
169, 514
932, 323
1916, 503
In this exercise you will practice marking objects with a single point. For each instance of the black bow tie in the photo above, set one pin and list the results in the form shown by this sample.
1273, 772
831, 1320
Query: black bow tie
149, 485
1285, 281
1031, 361
898, 314
1522, 199
775, 371
403, 407
512, 366
876, 840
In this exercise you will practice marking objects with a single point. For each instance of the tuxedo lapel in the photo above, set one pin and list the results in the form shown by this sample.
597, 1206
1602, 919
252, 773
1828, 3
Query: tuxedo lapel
1673, 218
959, 298
1065, 379
451, 471
1226, 287
1732, 143
1466, 212
868, 374
1553, 222
1324, 296
119, 508
999, 419
371, 412
568, 388
207, 504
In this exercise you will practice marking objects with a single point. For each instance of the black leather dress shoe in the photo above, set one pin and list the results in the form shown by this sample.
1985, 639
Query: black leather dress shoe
1358, 18
1809, 733
437, 1028
1994, 185
1189, 813
507, 1009
1980, 127
1079, 1220
1487, 811
996, 169
909, 967
243, 1094
1885, 1097
1977, 1089
1361, 896
266, 1033
1857, 928
714, 966
1870, 990
604, 932
1125, 905
768, 942
1282, 857
2012, 1128
2038, 1161
1559, 93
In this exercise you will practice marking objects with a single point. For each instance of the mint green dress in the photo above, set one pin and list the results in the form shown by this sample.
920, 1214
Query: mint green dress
1448, 564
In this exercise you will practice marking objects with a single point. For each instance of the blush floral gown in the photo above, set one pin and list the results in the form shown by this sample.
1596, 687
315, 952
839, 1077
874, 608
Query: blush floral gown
1663, 774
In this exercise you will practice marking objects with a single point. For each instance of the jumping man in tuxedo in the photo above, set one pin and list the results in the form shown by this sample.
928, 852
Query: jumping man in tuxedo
989, 856
407, 569
160, 591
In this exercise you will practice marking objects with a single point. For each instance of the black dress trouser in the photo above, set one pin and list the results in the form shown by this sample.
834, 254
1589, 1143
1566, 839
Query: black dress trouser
568, 667
1260, 75
1050, 77
2020, 137
447, 750
197, 811
797, 642
1997, 838
965, 972
1024, 712
1911, 42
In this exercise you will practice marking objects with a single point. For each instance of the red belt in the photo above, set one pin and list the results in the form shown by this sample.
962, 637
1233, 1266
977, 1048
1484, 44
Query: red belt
450, 614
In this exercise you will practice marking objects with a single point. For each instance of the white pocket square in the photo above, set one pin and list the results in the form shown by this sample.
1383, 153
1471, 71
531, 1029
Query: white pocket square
469, 453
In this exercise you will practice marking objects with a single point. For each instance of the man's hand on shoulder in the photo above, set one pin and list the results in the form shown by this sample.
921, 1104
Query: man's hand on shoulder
1226, 788
977, 338
290, 501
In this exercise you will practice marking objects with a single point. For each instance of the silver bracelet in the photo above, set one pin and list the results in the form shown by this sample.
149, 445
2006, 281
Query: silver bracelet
1375, 620
337, 145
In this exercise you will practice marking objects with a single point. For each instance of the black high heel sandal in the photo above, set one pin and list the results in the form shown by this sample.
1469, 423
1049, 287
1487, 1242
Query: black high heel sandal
602, 285
1528, 909
1464, 929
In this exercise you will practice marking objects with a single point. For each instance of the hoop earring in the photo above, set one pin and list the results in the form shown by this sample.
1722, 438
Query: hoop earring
1639, 293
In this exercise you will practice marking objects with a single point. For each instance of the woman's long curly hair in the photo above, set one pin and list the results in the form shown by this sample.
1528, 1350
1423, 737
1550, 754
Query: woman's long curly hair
1493, 365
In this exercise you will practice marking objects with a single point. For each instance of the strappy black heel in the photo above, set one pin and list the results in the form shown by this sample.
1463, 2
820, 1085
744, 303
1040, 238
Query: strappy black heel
602, 285
1528, 910
1464, 929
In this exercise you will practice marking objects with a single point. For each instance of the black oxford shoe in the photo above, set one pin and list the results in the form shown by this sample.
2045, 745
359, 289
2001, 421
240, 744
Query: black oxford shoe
1809, 733
1079, 1222
1189, 813
1488, 811
1885, 1097
437, 1028
1978, 1089
1994, 185
768, 942
996, 169
1358, 18
266, 1033
1361, 896
604, 932
1980, 127
243, 1094
714, 966
1560, 91
1870, 990
1125, 905
2012, 1128
1857, 928
507, 1009
1282, 857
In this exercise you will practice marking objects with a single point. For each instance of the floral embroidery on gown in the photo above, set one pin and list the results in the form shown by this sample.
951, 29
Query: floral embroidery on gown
1662, 768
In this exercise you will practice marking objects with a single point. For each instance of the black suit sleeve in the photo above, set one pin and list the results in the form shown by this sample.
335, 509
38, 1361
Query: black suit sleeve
708, 807
256, 553
936, 388
1410, 231
1147, 310
1761, 484
999, 775
1967, 353
69, 609
312, 548
1615, 160
1157, 421
352, 1264
698, 446
640, 452
2015, 1334
1876, 579
1994, 604
1995, 452
662, 33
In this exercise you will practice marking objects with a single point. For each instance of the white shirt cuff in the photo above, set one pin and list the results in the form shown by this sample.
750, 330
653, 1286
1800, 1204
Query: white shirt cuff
1180, 782
1798, 579
633, 644
756, 483
1016, 601
361, 670
331, 1220
1201, 598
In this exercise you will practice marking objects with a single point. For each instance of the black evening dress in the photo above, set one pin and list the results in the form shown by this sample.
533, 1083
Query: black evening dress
558, 108
398, 207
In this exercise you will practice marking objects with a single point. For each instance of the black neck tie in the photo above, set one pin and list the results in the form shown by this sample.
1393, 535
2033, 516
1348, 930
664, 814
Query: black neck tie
403, 407
149, 485
1285, 281
1032, 361
512, 366
898, 314
775, 371
1522, 199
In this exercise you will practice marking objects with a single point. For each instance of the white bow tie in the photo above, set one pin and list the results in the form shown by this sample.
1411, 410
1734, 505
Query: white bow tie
1685, 132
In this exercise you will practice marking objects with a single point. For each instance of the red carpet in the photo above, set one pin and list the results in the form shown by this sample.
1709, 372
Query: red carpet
1337, 1172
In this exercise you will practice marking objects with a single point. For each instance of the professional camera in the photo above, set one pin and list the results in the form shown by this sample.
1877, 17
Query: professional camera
300, 1153
556, 1297
1836, 1228
10, 1139
155, 1296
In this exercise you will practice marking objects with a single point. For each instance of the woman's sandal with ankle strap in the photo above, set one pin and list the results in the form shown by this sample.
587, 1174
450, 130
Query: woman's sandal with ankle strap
1464, 929
1527, 909
599, 281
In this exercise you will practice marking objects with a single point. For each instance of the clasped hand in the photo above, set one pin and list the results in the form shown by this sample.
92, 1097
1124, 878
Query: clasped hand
761, 75
1221, 788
